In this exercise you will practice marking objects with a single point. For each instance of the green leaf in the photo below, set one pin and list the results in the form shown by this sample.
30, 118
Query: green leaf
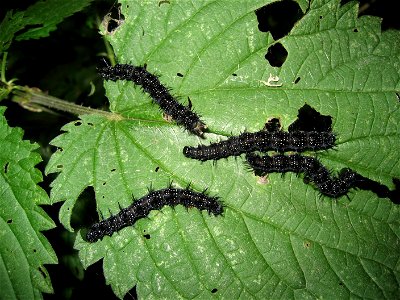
48, 14
8, 27
44, 16
24, 250
278, 239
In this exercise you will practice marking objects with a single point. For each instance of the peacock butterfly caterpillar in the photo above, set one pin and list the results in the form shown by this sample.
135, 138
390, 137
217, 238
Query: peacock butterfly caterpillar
316, 173
263, 141
183, 115
310, 131
154, 200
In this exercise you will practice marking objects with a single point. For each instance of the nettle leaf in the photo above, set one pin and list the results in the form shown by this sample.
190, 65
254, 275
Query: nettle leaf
46, 15
24, 250
43, 17
278, 239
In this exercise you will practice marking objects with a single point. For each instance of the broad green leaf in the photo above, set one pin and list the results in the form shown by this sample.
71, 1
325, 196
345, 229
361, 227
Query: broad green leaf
24, 249
8, 27
44, 16
277, 239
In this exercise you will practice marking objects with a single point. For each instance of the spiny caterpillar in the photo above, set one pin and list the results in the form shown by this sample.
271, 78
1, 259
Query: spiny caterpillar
316, 173
312, 168
154, 200
263, 141
183, 115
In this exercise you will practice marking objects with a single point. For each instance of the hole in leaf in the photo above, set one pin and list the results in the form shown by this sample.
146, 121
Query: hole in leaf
34, 250
78, 123
147, 236
276, 55
90, 124
355, 30
273, 124
297, 80
308, 119
179, 74
104, 183
113, 19
214, 290
113, 170
398, 96
278, 17
9, 221
158, 168
234, 74
307, 244
320, 17
60, 166
6, 167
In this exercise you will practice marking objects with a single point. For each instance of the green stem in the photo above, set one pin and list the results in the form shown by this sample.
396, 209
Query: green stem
30, 98
3, 67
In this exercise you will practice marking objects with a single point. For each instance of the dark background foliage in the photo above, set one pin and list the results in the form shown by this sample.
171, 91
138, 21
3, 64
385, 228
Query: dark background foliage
64, 65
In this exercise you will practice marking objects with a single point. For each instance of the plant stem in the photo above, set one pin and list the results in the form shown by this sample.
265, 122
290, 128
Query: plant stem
3, 67
35, 100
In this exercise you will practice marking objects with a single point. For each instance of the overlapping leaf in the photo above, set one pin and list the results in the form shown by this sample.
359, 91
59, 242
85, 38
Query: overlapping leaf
24, 250
275, 240
43, 17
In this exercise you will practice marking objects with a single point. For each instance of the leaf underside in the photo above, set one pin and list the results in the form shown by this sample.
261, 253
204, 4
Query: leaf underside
42, 17
278, 238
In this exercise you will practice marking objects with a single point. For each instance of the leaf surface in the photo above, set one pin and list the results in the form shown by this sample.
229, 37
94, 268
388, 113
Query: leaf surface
278, 239
24, 250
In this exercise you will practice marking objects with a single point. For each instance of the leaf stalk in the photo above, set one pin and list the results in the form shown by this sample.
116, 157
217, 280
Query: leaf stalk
35, 100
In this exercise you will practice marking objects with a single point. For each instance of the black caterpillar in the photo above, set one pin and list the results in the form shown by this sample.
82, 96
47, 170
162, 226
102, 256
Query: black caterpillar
155, 200
263, 141
315, 172
183, 115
